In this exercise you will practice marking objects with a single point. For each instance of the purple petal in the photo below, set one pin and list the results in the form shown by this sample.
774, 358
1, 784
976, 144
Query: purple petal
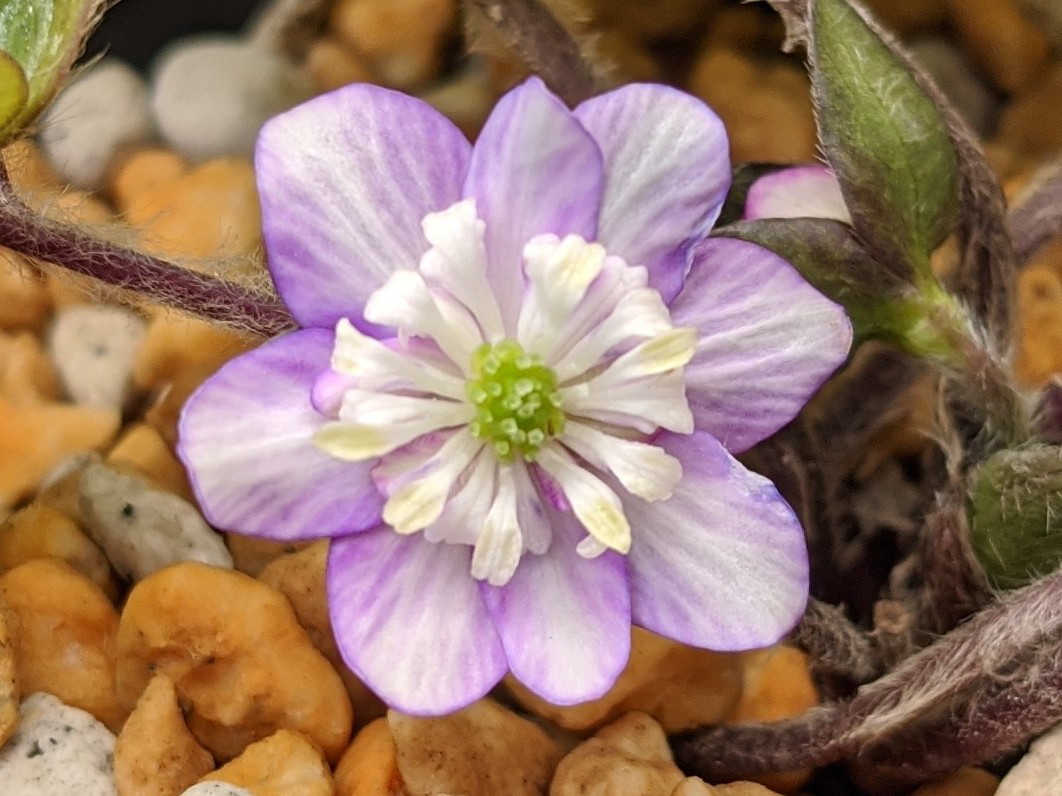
328, 391
722, 564
246, 439
768, 340
534, 170
411, 622
667, 172
799, 192
345, 180
565, 620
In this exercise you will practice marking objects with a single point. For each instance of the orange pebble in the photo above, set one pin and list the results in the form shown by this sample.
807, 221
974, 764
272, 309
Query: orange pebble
369, 767
65, 630
141, 172
778, 685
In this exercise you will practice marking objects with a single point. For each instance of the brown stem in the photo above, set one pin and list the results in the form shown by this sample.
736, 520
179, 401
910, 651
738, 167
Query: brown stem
24, 231
955, 585
1038, 215
725, 754
840, 654
541, 42
979, 692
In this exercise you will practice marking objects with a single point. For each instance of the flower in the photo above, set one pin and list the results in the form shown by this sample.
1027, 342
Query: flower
520, 377
798, 192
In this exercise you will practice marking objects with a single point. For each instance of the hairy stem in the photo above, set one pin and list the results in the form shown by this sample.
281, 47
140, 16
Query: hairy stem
725, 754
983, 690
840, 653
24, 231
1038, 215
541, 42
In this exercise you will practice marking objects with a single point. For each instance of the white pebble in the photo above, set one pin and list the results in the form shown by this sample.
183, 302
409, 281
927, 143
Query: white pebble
101, 111
211, 94
57, 749
142, 529
94, 348
215, 788
1039, 772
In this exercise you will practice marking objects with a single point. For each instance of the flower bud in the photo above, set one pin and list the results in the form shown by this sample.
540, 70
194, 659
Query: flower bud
1016, 514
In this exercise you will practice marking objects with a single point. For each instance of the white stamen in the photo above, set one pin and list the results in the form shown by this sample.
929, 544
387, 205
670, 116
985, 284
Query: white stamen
596, 506
639, 314
380, 369
644, 470
666, 351
466, 511
589, 547
420, 501
560, 271
500, 544
616, 280
407, 303
642, 404
372, 424
457, 262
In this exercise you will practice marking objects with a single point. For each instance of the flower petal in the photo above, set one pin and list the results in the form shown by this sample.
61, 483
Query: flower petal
723, 563
411, 622
799, 192
564, 620
246, 437
768, 340
534, 170
343, 194
667, 172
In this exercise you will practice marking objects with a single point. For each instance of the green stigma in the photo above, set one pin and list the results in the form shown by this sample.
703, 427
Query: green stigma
516, 399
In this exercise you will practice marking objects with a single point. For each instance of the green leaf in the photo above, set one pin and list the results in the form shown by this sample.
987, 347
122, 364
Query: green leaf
878, 300
883, 136
39, 40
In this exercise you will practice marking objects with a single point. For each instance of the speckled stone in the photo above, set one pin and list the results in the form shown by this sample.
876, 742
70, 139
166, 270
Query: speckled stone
217, 789
57, 750
142, 529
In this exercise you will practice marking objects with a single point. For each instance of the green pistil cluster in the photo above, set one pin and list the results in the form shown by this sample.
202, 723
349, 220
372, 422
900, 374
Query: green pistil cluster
516, 400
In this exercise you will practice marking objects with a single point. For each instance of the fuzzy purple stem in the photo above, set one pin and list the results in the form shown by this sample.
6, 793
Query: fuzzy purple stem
24, 231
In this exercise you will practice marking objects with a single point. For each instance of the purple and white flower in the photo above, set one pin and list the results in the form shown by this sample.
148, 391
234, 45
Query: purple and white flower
521, 376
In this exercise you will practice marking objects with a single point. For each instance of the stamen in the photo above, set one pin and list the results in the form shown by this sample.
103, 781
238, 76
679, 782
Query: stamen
516, 400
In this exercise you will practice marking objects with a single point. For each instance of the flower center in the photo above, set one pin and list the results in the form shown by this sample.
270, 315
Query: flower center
518, 406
